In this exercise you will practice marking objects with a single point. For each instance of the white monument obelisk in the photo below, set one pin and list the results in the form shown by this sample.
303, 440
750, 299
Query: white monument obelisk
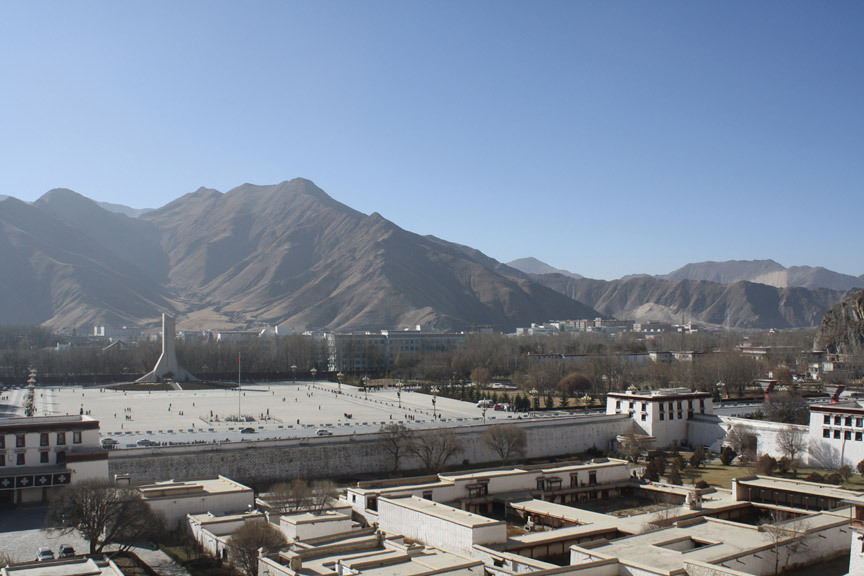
167, 367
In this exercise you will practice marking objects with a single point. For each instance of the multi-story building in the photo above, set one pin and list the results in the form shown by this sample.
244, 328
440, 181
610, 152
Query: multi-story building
40, 455
379, 352
837, 431
663, 414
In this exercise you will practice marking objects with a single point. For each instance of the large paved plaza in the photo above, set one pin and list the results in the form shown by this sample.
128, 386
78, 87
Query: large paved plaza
279, 410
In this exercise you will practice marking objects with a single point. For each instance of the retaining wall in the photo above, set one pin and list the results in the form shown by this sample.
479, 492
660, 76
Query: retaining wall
340, 456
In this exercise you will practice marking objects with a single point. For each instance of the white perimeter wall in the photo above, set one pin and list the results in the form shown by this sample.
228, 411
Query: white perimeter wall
174, 510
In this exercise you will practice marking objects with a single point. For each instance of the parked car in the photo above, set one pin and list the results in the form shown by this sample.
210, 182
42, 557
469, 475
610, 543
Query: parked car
146, 442
44, 553
247, 431
66, 551
323, 432
109, 443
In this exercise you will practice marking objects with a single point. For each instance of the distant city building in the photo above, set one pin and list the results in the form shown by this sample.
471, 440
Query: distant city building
378, 352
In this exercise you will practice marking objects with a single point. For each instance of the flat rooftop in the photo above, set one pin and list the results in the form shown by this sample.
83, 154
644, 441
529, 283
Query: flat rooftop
68, 567
709, 540
442, 511
191, 488
799, 486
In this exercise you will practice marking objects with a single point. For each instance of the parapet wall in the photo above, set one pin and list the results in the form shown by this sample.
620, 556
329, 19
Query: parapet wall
340, 456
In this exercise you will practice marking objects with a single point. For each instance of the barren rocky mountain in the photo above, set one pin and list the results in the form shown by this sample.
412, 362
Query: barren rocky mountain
286, 254
766, 272
735, 305
842, 328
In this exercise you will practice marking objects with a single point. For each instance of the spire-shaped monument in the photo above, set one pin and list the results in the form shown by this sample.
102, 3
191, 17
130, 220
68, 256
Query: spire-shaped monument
167, 367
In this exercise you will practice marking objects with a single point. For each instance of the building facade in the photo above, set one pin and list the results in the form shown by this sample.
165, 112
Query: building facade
663, 414
41, 454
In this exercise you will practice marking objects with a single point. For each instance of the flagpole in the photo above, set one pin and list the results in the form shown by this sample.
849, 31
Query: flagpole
238, 388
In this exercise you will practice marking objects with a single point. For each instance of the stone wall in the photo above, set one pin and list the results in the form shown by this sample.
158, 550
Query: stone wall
340, 456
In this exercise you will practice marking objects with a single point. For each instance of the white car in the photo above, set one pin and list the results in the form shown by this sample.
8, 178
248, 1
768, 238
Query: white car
44, 553
323, 432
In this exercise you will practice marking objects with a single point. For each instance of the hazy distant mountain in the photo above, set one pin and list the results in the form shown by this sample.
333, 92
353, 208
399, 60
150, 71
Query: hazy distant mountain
284, 254
54, 272
125, 210
290, 254
766, 272
532, 265
735, 305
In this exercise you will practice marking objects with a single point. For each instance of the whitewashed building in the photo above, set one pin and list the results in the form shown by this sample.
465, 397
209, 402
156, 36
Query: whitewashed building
41, 454
663, 414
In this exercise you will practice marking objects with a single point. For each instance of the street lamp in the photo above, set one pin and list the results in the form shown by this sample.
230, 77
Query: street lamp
484, 413
399, 393
339, 380
313, 372
434, 393
366, 387
533, 392
294, 372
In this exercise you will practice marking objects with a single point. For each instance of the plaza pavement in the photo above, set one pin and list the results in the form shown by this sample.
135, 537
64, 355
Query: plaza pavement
279, 409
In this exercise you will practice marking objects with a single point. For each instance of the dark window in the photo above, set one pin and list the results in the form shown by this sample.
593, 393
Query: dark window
644, 417
20, 459
19, 441
859, 422
679, 404
826, 433
76, 437
617, 404
702, 406
837, 420
427, 495
826, 419
61, 457
837, 434
689, 414
372, 503
592, 477
847, 435
662, 407
662, 416
43, 457
43, 439
848, 421
858, 436
2, 441
61, 438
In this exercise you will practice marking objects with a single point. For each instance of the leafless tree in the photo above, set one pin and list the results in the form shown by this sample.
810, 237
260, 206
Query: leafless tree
246, 541
788, 407
324, 492
435, 447
787, 537
632, 445
395, 440
104, 513
792, 442
506, 440
743, 440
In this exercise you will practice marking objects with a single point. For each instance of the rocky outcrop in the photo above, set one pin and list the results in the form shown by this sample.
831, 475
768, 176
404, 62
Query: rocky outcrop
842, 329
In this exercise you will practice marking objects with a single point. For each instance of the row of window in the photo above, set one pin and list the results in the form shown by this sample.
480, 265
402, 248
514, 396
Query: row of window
843, 421
846, 434
44, 439
44, 458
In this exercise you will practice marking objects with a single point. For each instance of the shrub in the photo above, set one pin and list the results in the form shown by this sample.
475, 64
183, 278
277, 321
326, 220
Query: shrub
860, 467
834, 478
815, 477
728, 455
845, 472
702, 484
765, 465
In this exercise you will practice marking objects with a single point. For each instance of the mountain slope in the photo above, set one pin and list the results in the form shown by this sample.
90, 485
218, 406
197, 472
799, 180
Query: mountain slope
51, 272
532, 265
736, 305
842, 328
765, 272
291, 254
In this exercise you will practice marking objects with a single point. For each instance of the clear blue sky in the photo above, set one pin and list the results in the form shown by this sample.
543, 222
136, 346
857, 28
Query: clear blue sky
606, 138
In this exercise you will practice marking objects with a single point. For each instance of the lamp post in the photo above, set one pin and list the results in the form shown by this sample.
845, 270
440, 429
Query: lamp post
239, 393
434, 411
313, 372
294, 372
366, 387
533, 392
339, 376
484, 413
399, 393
